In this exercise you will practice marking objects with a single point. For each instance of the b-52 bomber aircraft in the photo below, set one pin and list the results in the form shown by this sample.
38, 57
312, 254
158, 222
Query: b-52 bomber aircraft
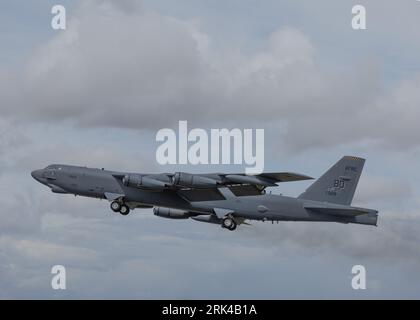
225, 199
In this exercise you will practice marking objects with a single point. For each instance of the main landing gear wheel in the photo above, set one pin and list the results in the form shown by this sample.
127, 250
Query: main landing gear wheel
124, 210
229, 223
115, 206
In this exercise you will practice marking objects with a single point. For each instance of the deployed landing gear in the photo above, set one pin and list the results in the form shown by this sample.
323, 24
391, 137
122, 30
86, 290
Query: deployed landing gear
124, 210
229, 223
120, 207
115, 206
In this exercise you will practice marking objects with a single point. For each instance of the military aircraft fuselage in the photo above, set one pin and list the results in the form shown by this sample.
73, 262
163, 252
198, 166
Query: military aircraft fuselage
104, 184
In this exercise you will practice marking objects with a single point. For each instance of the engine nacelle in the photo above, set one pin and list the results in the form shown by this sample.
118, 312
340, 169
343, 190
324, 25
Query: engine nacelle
188, 180
170, 213
143, 182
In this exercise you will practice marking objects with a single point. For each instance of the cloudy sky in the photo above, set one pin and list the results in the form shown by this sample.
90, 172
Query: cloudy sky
96, 93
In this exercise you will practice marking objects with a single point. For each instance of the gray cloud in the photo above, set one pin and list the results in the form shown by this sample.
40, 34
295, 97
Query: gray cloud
108, 256
18, 216
395, 240
127, 68
11, 137
384, 190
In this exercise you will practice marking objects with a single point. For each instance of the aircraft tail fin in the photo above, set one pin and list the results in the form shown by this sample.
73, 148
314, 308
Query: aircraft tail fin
338, 184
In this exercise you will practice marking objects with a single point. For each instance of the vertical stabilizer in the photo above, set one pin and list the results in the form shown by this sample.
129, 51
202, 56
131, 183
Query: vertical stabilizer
338, 184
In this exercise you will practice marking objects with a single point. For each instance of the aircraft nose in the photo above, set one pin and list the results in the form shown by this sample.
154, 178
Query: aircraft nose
37, 175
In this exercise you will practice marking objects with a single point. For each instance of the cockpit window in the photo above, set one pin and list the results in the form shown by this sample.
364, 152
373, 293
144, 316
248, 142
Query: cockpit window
50, 172
53, 167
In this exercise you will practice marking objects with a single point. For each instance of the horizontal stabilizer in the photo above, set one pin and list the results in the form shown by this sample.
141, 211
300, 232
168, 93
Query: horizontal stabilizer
339, 211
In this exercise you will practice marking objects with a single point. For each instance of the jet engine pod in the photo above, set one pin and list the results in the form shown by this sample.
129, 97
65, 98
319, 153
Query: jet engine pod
143, 182
170, 213
188, 180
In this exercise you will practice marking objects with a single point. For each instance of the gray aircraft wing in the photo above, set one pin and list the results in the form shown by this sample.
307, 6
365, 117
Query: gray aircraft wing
284, 176
182, 180
266, 179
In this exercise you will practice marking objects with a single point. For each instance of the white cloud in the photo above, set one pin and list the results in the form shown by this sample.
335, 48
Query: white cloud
119, 68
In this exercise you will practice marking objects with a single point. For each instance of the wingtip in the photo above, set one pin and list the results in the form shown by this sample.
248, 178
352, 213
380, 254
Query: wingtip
304, 176
300, 176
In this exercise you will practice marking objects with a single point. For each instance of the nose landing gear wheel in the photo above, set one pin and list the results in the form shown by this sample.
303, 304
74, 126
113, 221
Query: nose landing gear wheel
124, 210
115, 206
229, 223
